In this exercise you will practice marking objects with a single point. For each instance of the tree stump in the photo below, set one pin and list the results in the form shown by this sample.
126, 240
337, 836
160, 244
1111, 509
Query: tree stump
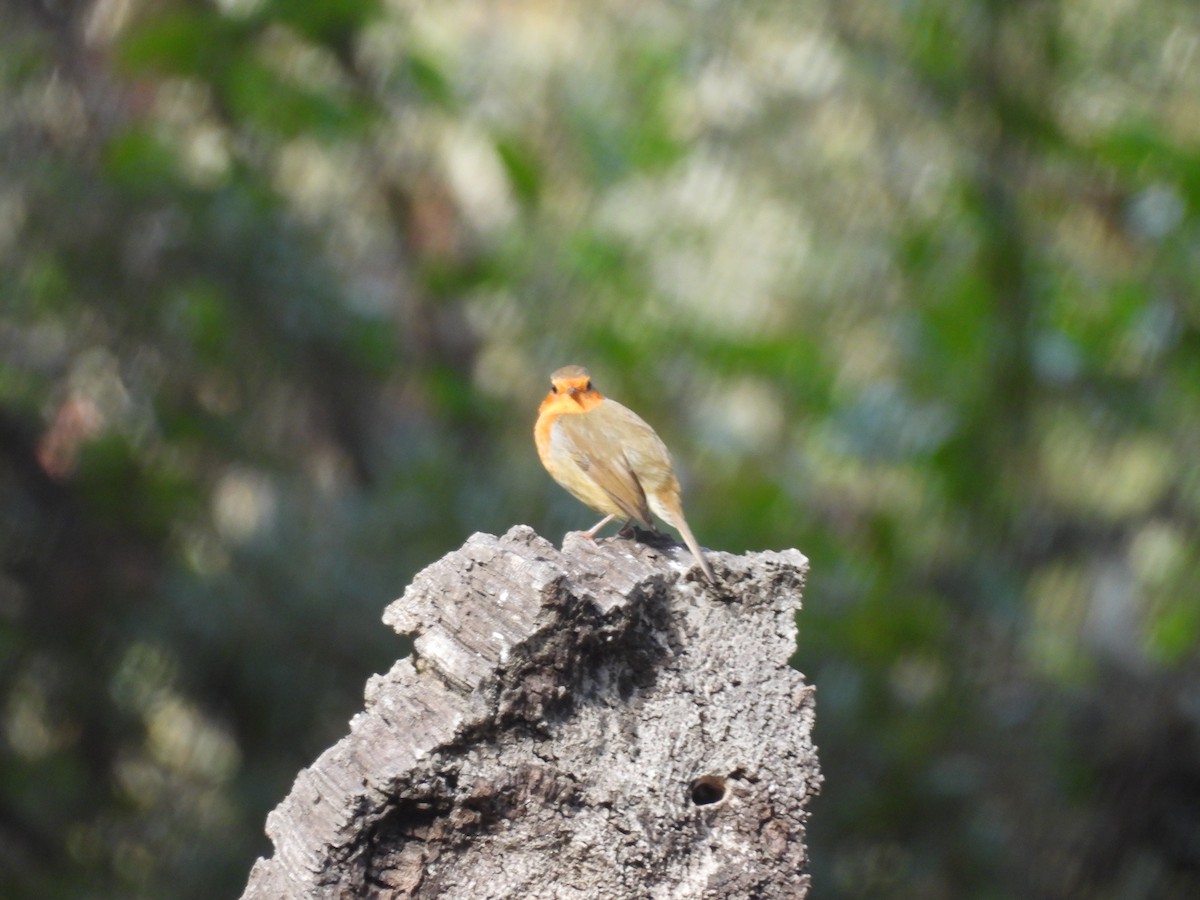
599, 722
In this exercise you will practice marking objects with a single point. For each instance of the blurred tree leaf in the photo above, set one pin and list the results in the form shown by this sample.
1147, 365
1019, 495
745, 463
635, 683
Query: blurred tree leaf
330, 22
259, 97
193, 42
138, 161
522, 167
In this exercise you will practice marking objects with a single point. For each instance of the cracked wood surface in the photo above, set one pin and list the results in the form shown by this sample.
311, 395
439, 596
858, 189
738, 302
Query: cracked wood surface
596, 722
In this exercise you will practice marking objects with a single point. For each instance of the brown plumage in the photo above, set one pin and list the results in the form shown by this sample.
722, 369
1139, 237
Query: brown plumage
608, 457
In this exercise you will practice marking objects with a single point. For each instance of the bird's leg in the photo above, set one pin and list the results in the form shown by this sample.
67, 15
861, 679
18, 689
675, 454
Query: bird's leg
591, 533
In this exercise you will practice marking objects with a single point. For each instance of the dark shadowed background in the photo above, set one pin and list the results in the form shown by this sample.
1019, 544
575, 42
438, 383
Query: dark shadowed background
909, 286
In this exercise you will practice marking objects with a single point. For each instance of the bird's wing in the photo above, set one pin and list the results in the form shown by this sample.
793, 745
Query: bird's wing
596, 442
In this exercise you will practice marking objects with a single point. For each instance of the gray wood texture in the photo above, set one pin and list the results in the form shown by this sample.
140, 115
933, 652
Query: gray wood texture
596, 722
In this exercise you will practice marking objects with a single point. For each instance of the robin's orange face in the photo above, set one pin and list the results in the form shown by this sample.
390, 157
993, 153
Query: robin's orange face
573, 388
571, 391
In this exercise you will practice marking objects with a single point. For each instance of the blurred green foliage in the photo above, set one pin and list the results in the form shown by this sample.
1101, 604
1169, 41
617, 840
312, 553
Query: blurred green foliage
911, 287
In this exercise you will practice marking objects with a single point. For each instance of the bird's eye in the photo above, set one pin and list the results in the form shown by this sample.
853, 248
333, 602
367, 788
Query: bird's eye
588, 386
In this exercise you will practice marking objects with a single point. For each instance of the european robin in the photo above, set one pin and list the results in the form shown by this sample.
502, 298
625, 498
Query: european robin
608, 457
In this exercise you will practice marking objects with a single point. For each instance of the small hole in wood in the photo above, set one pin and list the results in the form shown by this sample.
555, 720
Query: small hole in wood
708, 789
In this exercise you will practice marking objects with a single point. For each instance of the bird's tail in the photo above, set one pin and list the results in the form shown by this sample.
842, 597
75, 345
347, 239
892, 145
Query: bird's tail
669, 508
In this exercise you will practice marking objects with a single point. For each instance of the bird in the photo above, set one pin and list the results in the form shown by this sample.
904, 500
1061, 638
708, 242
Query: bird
606, 456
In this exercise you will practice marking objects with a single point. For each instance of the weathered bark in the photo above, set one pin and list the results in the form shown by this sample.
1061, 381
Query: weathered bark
593, 723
